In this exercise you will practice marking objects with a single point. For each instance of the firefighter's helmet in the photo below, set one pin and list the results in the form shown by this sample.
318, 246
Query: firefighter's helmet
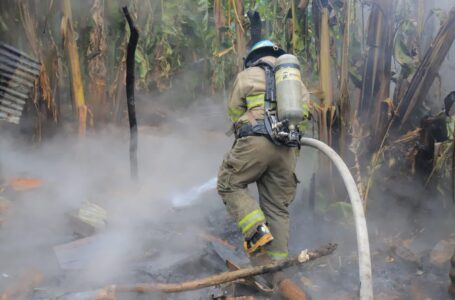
261, 49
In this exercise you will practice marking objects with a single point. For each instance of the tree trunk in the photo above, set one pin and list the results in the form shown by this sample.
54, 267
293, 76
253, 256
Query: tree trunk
240, 45
325, 77
76, 77
295, 27
377, 74
96, 56
343, 99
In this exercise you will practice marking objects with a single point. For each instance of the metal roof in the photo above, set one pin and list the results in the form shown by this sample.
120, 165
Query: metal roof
18, 72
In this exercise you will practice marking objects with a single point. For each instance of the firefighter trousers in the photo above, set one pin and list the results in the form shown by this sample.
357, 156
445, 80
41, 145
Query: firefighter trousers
271, 167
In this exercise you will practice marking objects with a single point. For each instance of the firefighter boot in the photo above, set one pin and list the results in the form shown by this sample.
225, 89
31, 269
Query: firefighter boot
261, 237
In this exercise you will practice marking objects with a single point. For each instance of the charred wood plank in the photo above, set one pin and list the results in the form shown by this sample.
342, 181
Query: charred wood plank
233, 261
75, 255
252, 282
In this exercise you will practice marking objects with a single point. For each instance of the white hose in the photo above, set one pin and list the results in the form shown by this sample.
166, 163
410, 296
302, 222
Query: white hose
363, 246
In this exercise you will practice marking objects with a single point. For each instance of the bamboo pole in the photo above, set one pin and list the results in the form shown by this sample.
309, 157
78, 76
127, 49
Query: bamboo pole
76, 77
230, 276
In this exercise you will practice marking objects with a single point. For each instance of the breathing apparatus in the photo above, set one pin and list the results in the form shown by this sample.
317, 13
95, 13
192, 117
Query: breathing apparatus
283, 97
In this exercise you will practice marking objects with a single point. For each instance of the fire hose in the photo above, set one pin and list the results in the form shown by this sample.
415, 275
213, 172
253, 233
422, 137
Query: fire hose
363, 246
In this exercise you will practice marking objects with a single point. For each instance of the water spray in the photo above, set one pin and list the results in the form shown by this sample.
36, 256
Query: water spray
182, 200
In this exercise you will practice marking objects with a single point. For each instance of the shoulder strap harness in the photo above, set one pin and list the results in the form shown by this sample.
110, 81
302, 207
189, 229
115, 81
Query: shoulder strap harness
270, 116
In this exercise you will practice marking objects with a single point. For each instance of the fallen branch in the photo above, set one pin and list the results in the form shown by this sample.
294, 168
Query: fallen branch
225, 277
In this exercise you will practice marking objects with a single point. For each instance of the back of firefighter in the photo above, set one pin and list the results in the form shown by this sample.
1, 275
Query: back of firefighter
255, 159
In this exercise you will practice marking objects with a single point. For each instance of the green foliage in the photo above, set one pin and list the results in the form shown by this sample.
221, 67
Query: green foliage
405, 46
142, 66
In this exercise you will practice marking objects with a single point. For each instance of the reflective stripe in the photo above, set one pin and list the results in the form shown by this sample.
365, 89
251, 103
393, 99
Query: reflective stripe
255, 97
252, 223
254, 100
235, 114
251, 219
278, 254
248, 216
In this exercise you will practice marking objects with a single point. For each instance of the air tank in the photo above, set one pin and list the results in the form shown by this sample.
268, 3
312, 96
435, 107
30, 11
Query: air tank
289, 89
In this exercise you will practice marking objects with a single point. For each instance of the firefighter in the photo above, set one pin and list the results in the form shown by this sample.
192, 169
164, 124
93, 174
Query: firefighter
255, 158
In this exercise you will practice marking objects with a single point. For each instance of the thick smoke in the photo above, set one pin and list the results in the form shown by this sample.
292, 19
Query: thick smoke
172, 159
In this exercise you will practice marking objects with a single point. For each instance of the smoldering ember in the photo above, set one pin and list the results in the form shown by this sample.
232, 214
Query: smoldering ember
227, 149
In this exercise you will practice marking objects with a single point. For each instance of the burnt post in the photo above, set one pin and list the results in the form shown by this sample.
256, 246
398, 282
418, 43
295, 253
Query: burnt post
131, 49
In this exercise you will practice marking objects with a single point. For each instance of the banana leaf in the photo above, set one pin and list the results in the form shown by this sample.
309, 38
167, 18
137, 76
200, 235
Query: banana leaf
428, 69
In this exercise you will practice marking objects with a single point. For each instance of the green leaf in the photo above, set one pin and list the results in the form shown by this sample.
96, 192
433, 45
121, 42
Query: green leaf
401, 54
142, 64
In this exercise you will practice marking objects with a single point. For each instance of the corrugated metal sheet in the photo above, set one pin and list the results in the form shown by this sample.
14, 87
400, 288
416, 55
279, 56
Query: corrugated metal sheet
18, 73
